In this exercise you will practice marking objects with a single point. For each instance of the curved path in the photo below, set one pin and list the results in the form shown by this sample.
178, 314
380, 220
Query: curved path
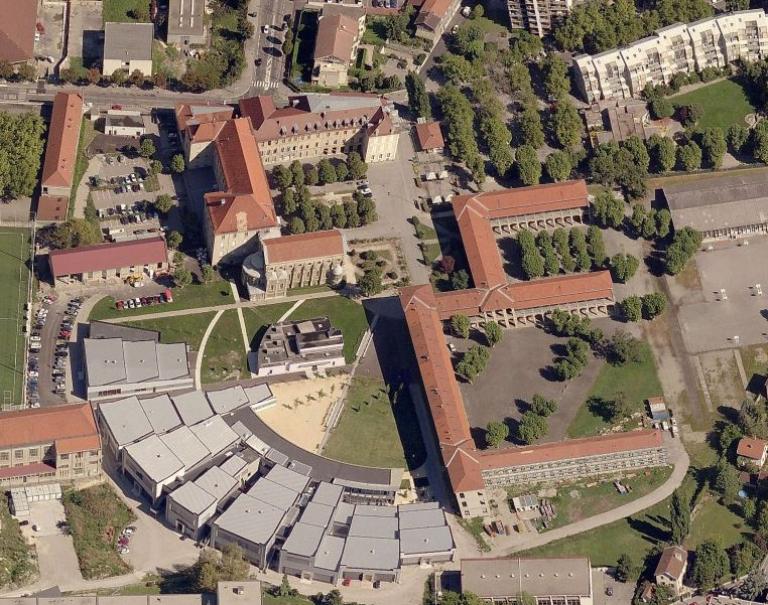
201, 350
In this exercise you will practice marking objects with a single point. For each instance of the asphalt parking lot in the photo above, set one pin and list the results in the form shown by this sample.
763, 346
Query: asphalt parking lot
85, 31
107, 198
737, 317
51, 34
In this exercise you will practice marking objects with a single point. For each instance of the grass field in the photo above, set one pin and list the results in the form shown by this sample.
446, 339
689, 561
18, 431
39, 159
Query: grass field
637, 381
19, 564
14, 275
183, 328
367, 432
123, 10
344, 314
96, 516
224, 357
192, 297
724, 103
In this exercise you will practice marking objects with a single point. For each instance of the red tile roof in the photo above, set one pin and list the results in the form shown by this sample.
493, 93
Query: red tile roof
52, 208
26, 470
101, 257
63, 138
247, 202
531, 200
336, 36
48, 425
480, 245
195, 115
749, 447
303, 246
672, 562
430, 136
432, 12
17, 30
70, 445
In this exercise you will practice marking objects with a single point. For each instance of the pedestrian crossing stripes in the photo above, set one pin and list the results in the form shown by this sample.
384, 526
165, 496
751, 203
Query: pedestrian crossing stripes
265, 85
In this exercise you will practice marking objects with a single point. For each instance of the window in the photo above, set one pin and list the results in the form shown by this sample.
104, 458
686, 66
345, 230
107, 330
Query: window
4, 456
65, 456
18, 454
33, 452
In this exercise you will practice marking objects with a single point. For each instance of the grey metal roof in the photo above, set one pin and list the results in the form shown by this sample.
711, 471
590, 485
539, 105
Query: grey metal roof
251, 519
274, 493
193, 407
329, 552
371, 553
227, 400
233, 465
538, 577
172, 360
304, 539
241, 430
414, 506
216, 482
369, 510
373, 527
259, 394
127, 41
215, 434
426, 540
290, 479
126, 420
256, 444
125, 121
343, 513
160, 413
193, 498
104, 360
185, 17
432, 517
327, 493
103, 329
155, 458
140, 360
300, 467
183, 442
276, 456
317, 514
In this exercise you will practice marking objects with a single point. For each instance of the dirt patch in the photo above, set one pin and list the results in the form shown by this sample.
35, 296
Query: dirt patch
722, 377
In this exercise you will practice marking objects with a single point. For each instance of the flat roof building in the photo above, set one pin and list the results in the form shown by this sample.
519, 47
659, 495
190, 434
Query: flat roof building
186, 23
152, 465
128, 46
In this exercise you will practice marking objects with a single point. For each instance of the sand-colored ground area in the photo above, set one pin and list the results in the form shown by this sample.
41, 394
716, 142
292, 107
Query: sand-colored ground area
302, 409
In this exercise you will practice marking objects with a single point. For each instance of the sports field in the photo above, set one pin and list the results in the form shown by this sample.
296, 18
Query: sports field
14, 280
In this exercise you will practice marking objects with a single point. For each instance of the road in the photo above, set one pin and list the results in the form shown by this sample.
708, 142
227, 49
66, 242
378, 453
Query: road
267, 46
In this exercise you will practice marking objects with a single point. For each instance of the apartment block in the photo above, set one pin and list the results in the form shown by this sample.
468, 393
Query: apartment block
679, 48
538, 16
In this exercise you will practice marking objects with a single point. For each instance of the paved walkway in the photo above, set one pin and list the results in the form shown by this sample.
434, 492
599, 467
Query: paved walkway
201, 351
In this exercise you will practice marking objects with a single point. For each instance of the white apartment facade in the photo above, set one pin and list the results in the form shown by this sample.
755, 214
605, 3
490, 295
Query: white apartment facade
718, 41
538, 16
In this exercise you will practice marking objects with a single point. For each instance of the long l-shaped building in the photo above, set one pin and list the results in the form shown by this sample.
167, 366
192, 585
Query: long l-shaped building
472, 471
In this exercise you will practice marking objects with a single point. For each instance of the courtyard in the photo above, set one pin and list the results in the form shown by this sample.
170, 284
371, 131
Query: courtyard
724, 103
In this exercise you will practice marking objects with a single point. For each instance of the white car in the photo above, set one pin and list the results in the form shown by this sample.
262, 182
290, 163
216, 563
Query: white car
265, 29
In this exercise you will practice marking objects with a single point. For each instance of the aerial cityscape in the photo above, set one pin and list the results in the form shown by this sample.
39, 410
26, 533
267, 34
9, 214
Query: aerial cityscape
383, 302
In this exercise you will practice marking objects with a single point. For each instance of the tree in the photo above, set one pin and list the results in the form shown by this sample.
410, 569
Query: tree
137, 78
663, 223
147, 148
498, 139
596, 246
713, 146
542, 406
296, 225
556, 82
119, 76
737, 137
288, 202
182, 277
71, 234
710, 565
727, 436
493, 332
531, 427
608, 210
559, 165
460, 325
472, 363
342, 171
282, 176
311, 177
532, 261
663, 153
212, 568
418, 98
163, 203
207, 273
155, 167
496, 433
26, 72
684, 245
619, 408
726, 481
624, 266
528, 165
6, 70
562, 245
174, 239
324, 217
626, 568
623, 348
688, 115
761, 522
338, 216
653, 304
680, 515
370, 283
357, 168
661, 107
578, 244
285, 590
177, 163
297, 171
460, 280
631, 308
529, 125
326, 171
566, 123
447, 263
638, 151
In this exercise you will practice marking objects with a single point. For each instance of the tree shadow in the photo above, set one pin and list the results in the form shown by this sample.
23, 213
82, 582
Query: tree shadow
548, 373
648, 531
511, 256
600, 407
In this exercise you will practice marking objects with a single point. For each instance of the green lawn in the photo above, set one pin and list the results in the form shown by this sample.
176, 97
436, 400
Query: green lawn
576, 502
14, 274
375, 32
87, 134
268, 599
96, 516
724, 103
19, 566
367, 433
184, 328
713, 520
304, 46
224, 357
258, 319
637, 381
344, 314
123, 10
191, 297
430, 251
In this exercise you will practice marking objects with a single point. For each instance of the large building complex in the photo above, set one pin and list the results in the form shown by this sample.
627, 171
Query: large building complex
45, 445
128, 47
294, 261
538, 16
555, 581
60, 157
338, 37
679, 48
720, 207
104, 263
316, 125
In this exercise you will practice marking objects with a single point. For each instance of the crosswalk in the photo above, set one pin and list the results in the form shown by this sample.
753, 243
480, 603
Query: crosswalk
265, 84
